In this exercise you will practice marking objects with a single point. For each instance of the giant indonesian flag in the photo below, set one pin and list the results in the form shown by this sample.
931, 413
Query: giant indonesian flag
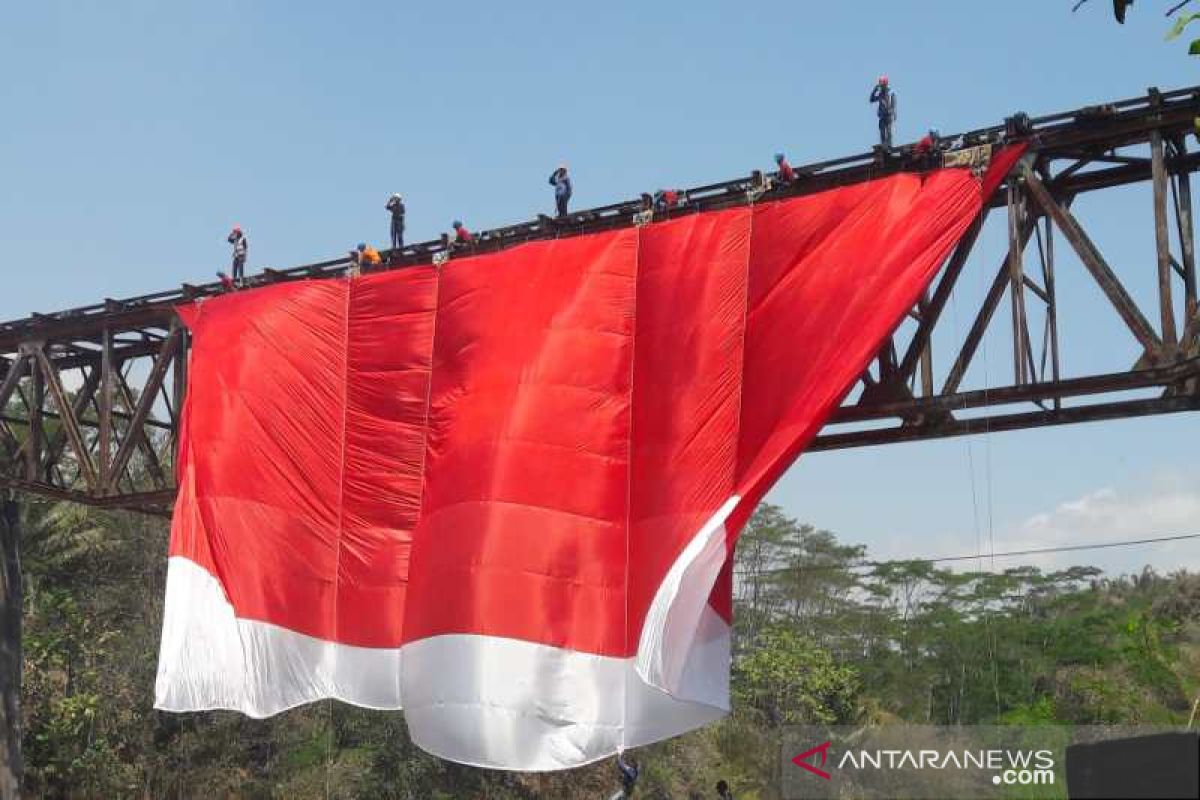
503, 494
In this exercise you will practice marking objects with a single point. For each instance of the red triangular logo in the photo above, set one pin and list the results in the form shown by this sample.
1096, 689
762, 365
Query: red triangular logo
802, 760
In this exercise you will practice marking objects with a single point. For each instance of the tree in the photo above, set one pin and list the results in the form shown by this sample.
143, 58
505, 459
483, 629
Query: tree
1120, 7
11, 595
1181, 22
790, 681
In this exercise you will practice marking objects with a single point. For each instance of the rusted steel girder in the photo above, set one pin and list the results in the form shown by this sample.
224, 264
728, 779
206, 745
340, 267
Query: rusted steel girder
90, 397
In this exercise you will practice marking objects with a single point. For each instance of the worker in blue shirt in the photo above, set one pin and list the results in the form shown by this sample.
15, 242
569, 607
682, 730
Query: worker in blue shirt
562, 189
885, 99
629, 771
395, 205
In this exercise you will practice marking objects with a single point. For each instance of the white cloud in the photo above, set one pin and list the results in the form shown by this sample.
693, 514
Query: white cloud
1169, 506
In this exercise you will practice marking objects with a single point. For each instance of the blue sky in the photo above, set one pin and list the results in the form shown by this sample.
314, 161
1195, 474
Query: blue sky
136, 133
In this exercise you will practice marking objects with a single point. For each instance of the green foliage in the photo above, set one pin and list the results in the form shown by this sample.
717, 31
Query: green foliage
1181, 22
1040, 712
787, 679
71, 740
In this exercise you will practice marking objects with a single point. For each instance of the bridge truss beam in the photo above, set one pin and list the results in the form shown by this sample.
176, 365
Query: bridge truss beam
896, 401
109, 440
90, 397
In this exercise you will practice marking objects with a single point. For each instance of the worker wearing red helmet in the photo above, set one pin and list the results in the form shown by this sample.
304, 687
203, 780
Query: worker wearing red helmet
883, 95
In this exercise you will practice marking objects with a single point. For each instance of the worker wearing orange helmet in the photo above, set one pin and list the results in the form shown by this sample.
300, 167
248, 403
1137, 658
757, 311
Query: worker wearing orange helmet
885, 99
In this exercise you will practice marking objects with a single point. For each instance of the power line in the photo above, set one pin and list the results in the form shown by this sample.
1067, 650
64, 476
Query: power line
1007, 554
1041, 550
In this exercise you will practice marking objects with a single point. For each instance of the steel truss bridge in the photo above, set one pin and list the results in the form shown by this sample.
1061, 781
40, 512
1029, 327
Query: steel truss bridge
90, 397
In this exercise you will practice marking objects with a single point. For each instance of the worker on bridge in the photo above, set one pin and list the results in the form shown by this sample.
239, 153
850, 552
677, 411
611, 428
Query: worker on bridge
462, 236
562, 189
929, 146
363, 258
885, 98
240, 247
395, 204
666, 199
368, 256
786, 173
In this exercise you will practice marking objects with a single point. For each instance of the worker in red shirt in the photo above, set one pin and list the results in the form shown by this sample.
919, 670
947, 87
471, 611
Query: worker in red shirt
786, 173
666, 199
928, 146
461, 234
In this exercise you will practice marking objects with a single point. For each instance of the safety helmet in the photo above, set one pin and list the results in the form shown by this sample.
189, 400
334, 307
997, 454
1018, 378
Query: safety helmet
396, 196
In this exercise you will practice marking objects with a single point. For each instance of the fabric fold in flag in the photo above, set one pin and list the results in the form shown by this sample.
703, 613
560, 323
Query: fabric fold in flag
503, 494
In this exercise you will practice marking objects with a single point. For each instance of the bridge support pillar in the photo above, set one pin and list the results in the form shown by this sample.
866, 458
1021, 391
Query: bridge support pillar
11, 660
